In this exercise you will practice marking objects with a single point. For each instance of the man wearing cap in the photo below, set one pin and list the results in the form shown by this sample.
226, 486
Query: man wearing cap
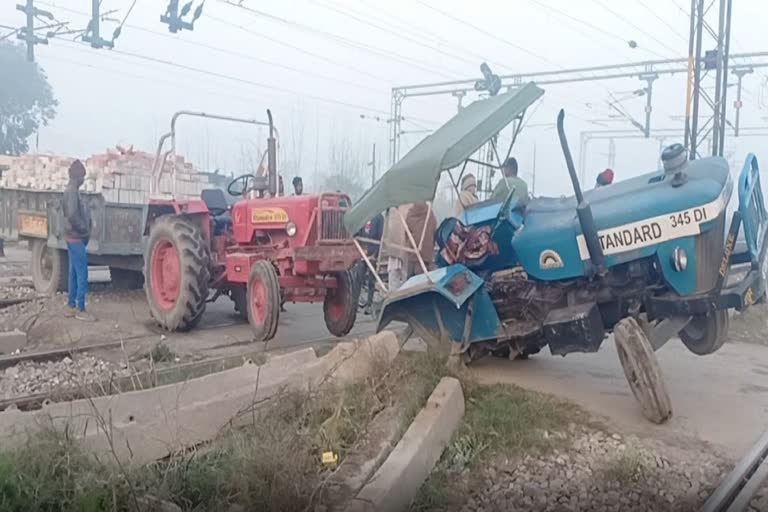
77, 232
604, 178
511, 182
298, 186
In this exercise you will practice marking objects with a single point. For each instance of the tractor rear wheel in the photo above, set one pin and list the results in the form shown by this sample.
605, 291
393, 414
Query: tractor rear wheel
642, 370
340, 304
263, 300
50, 268
706, 334
177, 273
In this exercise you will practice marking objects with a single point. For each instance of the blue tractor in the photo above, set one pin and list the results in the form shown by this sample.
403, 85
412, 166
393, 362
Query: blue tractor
647, 259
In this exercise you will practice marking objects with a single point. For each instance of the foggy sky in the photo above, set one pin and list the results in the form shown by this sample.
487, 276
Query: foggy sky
345, 67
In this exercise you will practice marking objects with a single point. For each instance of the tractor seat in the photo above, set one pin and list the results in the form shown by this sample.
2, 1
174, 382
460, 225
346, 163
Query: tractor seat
215, 200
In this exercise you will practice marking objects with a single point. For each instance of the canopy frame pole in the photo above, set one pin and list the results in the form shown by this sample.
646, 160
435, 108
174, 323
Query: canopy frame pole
485, 164
413, 243
495, 149
457, 183
518, 126
370, 267
424, 228
384, 233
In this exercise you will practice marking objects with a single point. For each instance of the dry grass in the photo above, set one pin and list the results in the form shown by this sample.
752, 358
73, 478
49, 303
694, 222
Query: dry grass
271, 464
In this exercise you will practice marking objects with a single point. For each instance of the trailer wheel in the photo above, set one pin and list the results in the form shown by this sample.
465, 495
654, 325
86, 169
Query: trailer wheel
176, 271
642, 370
340, 304
50, 268
124, 279
263, 300
706, 334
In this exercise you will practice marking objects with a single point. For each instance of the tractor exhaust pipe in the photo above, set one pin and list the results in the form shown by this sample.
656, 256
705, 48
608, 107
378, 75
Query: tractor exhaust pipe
583, 210
272, 157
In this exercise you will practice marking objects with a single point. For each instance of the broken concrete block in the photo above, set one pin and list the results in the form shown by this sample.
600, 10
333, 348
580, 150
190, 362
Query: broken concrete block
11, 341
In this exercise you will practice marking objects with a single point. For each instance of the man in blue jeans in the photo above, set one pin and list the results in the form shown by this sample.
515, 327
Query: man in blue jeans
77, 232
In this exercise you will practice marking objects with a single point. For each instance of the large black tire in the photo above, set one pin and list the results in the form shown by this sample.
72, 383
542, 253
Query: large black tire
263, 300
706, 334
50, 268
176, 272
340, 304
123, 279
642, 370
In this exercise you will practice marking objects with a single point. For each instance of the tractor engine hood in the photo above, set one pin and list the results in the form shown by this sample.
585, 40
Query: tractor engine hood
633, 218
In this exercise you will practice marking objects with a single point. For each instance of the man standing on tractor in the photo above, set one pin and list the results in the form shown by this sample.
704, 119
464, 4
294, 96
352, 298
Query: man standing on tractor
77, 232
298, 186
511, 181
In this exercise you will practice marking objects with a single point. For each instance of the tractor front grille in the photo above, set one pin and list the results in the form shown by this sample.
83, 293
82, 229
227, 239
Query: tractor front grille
709, 254
332, 224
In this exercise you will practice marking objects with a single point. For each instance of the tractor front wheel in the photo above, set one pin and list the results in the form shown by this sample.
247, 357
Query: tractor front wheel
706, 334
263, 300
340, 304
642, 370
177, 273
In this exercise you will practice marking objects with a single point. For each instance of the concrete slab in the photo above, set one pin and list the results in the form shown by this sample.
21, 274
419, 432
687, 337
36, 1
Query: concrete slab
395, 484
141, 426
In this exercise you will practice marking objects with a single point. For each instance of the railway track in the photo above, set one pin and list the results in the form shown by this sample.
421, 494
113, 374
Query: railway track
143, 380
738, 489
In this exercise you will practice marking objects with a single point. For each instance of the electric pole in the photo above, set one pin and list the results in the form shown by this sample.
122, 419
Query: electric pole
27, 33
93, 32
708, 121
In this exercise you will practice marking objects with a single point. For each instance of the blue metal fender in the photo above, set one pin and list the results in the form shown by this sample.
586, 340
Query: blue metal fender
448, 303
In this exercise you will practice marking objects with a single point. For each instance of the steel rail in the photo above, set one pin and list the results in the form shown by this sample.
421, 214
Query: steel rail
736, 491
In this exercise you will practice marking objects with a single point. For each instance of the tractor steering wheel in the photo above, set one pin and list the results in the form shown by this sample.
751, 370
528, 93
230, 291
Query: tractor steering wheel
239, 185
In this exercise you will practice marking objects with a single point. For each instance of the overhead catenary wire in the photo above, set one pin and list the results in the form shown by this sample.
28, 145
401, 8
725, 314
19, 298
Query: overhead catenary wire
348, 14
421, 30
591, 26
246, 81
277, 41
673, 30
633, 25
485, 32
250, 57
411, 62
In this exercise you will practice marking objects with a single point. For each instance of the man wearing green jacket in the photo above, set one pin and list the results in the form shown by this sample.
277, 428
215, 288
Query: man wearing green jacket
511, 181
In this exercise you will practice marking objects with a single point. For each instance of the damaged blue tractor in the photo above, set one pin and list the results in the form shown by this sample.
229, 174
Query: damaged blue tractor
646, 259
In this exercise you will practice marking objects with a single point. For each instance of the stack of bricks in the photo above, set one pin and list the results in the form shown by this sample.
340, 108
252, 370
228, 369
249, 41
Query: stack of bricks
121, 175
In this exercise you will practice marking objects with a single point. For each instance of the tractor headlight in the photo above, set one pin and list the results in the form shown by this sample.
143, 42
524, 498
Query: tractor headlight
679, 259
290, 229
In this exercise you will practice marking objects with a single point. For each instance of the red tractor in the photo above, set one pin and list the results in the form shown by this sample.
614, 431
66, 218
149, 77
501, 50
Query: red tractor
261, 251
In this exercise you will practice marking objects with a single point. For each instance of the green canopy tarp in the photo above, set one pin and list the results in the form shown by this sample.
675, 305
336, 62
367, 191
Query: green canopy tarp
414, 178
